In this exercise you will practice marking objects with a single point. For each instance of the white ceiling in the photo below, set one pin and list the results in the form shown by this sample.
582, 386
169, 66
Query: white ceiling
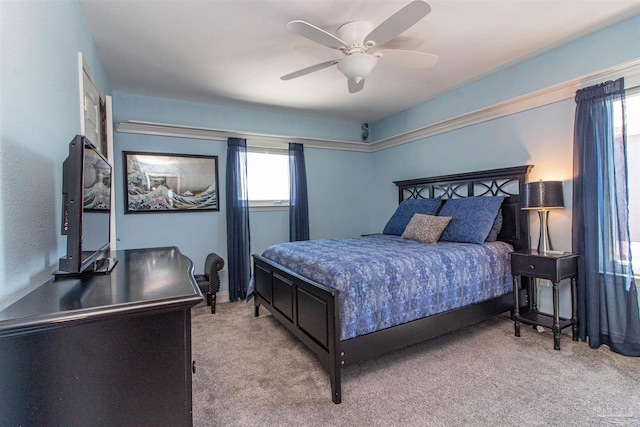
233, 52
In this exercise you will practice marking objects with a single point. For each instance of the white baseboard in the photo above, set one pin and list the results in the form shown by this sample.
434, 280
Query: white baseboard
222, 296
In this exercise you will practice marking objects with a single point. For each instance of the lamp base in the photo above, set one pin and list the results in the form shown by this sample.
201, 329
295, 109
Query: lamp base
544, 242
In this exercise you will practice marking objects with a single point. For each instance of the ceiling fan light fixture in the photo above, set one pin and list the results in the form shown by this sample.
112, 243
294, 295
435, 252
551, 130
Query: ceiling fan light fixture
357, 66
354, 39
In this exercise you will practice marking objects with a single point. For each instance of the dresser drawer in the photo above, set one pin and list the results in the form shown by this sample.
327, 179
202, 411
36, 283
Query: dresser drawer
542, 268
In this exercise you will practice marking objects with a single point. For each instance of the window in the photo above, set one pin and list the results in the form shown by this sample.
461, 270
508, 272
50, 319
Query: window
268, 178
633, 175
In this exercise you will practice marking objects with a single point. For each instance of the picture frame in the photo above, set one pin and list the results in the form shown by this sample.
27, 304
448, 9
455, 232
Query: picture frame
167, 182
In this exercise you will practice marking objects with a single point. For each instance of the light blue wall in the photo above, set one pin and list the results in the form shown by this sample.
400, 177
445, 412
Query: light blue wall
39, 115
171, 111
612, 46
339, 187
340, 193
338, 181
195, 233
542, 136
268, 228
350, 193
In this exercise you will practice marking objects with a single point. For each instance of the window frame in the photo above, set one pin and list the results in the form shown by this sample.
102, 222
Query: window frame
635, 254
623, 264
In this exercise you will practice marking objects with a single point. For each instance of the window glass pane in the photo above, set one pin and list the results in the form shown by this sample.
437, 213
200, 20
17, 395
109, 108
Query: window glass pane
633, 176
268, 176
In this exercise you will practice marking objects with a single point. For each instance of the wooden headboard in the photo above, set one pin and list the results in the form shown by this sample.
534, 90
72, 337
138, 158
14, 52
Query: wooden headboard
506, 182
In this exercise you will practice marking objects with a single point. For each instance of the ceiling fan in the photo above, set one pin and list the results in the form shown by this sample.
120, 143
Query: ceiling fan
356, 39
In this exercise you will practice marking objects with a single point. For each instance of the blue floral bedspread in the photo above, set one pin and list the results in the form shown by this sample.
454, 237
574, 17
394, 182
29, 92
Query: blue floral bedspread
385, 281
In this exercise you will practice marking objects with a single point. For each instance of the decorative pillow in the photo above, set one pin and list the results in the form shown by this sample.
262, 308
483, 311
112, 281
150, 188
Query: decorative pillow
495, 229
472, 218
405, 211
425, 228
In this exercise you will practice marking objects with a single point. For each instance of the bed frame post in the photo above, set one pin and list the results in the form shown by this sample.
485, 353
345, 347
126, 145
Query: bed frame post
307, 309
335, 354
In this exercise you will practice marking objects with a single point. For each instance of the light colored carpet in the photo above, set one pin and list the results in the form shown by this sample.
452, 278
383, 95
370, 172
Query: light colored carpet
253, 372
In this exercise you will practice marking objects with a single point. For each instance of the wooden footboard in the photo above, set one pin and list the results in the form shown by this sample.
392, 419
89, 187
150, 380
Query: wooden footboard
308, 309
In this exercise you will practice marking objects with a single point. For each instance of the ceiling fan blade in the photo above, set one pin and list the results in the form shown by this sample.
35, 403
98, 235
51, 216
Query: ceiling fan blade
399, 22
407, 58
355, 87
316, 34
309, 70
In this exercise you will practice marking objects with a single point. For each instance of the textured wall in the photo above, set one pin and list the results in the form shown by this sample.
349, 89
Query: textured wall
40, 113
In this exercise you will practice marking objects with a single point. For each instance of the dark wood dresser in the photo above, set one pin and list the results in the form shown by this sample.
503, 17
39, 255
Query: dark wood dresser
105, 349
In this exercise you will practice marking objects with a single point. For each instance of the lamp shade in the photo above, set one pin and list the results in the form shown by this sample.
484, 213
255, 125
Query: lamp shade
543, 195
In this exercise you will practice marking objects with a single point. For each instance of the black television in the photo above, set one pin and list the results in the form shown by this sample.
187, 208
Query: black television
86, 210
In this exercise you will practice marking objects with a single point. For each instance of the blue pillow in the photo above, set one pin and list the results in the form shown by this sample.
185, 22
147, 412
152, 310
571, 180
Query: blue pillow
495, 228
471, 218
405, 211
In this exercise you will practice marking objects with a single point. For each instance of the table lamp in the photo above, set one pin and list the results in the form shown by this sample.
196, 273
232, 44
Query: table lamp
543, 195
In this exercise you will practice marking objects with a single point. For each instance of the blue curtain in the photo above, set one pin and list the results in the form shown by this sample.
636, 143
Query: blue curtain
607, 295
298, 199
238, 237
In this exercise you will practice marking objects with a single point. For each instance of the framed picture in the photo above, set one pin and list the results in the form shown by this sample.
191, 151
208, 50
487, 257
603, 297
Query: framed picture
158, 182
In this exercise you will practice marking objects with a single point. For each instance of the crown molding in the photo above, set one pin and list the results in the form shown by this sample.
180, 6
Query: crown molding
253, 138
630, 71
550, 95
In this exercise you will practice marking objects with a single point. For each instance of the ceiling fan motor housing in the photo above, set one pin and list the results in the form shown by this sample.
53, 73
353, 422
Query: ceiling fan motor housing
353, 34
357, 64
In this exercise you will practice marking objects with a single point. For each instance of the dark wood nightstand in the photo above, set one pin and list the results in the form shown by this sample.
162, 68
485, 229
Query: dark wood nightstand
551, 266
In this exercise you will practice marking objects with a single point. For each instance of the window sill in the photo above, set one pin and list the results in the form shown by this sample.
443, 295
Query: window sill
268, 208
278, 204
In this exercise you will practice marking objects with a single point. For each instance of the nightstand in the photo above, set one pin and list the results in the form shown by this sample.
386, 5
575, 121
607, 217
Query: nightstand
553, 266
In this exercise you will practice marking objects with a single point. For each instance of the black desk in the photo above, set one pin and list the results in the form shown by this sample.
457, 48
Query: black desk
103, 350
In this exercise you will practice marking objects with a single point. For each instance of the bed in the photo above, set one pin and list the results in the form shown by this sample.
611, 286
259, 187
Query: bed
334, 309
